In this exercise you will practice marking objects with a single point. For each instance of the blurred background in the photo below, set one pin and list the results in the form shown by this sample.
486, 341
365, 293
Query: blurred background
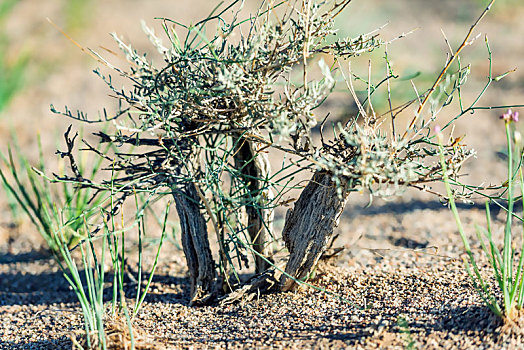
39, 66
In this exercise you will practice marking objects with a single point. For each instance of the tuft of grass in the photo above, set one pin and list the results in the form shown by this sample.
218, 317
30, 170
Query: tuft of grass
66, 216
47, 207
89, 292
506, 262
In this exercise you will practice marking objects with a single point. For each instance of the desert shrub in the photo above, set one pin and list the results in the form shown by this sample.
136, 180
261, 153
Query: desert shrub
201, 128
229, 125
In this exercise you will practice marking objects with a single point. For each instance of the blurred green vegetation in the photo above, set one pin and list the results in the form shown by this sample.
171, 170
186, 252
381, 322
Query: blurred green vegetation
77, 14
14, 62
6, 7
12, 66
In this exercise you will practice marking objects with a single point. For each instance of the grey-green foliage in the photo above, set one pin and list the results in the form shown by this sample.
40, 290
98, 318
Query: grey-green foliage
186, 118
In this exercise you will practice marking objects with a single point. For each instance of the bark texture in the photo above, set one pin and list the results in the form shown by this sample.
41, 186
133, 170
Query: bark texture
254, 167
310, 224
195, 243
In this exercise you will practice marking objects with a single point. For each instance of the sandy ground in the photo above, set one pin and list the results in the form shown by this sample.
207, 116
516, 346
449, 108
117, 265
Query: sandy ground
402, 283
399, 282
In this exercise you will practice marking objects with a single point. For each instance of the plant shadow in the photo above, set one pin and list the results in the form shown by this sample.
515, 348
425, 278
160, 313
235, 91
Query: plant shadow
9, 258
48, 285
477, 319
62, 342
414, 205
163, 288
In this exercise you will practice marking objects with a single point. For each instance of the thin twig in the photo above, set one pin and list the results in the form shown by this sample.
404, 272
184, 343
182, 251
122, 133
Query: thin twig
446, 67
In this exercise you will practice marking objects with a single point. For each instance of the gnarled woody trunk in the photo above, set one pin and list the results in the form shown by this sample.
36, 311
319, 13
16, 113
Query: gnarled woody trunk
195, 243
310, 224
307, 230
254, 167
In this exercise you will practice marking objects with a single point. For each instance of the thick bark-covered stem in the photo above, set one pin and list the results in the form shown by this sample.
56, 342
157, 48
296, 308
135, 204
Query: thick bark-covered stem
254, 167
195, 244
310, 224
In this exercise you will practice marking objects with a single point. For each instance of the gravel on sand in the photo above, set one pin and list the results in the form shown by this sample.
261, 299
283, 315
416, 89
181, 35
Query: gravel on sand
391, 288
